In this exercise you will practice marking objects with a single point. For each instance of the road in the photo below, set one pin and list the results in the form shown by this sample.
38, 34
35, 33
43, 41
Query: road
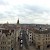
26, 45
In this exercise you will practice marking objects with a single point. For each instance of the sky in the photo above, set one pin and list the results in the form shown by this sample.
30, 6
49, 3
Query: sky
28, 11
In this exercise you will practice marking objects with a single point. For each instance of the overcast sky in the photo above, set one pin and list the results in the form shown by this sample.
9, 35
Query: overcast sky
28, 11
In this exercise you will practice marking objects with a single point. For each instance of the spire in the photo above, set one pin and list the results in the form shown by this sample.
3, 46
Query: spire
18, 21
7, 22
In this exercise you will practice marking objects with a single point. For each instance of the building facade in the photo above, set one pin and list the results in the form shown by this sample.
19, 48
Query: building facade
8, 36
41, 38
7, 39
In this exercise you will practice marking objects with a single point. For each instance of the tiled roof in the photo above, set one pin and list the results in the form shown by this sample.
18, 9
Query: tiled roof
8, 26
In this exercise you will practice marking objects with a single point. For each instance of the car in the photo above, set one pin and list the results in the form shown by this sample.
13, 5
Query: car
21, 41
21, 45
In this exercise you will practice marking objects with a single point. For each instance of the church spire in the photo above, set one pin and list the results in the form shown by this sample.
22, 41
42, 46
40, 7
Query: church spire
18, 21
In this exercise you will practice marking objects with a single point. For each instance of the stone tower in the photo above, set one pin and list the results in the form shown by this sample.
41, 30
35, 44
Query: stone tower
18, 22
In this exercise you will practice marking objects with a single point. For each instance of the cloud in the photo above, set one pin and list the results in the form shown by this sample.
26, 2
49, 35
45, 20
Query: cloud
3, 2
28, 11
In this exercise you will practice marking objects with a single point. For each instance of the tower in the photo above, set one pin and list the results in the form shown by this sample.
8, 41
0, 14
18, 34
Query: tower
17, 21
18, 25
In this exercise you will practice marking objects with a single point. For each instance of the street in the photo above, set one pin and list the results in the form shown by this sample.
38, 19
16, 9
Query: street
25, 44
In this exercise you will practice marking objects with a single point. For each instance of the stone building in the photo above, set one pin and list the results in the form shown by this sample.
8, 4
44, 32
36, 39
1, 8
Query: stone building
9, 34
41, 38
7, 38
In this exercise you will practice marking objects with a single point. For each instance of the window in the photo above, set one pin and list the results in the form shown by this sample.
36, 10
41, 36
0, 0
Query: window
46, 38
30, 38
3, 42
3, 48
46, 35
48, 41
30, 35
